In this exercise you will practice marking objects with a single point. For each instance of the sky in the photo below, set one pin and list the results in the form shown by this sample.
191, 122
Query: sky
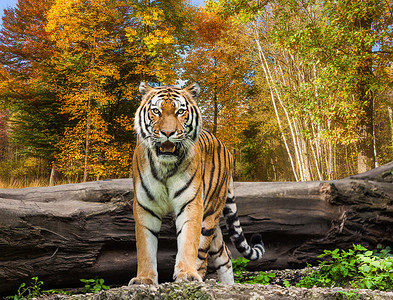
195, 2
5, 4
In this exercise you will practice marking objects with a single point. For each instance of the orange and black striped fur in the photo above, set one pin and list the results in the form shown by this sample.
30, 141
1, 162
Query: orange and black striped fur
182, 169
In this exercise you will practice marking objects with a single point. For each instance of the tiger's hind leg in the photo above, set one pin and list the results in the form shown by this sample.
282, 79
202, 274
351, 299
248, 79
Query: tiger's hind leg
208, 234
203, 250
221, 258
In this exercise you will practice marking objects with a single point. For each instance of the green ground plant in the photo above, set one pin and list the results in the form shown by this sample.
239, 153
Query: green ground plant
260, 278
30, 291
239, 268
357, 268
34, 289
239, 265
94, 285
349, 295
286, 283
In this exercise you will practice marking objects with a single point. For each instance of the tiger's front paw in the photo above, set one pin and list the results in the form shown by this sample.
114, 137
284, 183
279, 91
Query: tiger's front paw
141, 280
189, 276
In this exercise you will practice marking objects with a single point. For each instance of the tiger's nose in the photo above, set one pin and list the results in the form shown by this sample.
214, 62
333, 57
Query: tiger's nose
168, 133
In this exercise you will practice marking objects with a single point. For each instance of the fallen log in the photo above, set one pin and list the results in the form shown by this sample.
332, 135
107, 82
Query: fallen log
86, 230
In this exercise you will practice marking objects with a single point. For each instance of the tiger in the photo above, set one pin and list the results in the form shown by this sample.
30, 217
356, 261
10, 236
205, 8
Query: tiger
182, 169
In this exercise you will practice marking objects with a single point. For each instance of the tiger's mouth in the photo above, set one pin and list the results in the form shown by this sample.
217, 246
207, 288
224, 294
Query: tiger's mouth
167, 148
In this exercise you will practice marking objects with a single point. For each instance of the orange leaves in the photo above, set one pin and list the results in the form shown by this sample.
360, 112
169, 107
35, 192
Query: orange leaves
125, 122
219, 63
104, 48
23, 33
210, 26
6, 81
83, 32
106, 157
24, 44
85, 58
231, 124
80, 23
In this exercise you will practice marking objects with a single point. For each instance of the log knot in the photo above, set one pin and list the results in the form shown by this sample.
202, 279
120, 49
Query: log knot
329, 192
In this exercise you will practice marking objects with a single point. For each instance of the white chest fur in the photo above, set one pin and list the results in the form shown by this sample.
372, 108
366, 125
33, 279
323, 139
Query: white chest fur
166, 195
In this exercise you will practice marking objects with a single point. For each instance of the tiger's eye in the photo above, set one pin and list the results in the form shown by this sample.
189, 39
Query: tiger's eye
156, 111
180, 111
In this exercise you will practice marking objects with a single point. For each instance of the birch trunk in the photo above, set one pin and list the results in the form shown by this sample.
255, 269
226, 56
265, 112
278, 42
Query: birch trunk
87, 144
265, 69
390, 112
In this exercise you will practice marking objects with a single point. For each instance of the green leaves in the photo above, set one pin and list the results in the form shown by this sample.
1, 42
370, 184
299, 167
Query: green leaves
239, 267
94, 285
333, 37
28, 291
34, 289
357, 267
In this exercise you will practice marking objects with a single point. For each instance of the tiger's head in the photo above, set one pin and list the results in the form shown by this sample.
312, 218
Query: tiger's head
168, 121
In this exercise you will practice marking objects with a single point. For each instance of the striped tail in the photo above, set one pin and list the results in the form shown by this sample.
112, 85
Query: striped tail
235, 231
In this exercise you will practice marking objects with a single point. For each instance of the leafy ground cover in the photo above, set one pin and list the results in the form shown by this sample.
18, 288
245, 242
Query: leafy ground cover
34, 289
356, 268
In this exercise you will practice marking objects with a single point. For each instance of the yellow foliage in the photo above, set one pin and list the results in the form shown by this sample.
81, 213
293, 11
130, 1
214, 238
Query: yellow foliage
87, 33
219, 63
154, 42
231, 124
126, 122
83, 32
106, 158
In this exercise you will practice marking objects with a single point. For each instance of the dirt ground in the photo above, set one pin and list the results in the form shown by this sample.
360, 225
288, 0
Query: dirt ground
210, 289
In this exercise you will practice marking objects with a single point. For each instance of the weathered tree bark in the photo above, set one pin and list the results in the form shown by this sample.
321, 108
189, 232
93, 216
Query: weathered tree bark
68, 232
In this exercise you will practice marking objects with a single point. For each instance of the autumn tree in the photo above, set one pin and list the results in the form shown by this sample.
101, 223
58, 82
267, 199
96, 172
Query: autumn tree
323, 69
34, 109
105, 48
69, 74
345, 44
85, 36
219, 63
340, 39
159, 33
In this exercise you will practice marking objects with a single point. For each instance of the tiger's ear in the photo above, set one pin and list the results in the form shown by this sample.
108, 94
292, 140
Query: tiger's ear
194, 89
144, 88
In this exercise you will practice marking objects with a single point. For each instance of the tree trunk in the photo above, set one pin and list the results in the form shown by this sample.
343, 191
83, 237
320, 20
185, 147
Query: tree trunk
87, 142
215, 117
366, 159
52, 177
270, 82
390, 112
64, 233
364, 94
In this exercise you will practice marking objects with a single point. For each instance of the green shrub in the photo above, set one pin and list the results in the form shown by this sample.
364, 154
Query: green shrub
261, 278
357, 267
34, 290
94, 285
239, 267
28, 291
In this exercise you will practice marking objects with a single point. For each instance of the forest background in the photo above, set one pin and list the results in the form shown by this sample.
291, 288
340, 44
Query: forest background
298, 90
